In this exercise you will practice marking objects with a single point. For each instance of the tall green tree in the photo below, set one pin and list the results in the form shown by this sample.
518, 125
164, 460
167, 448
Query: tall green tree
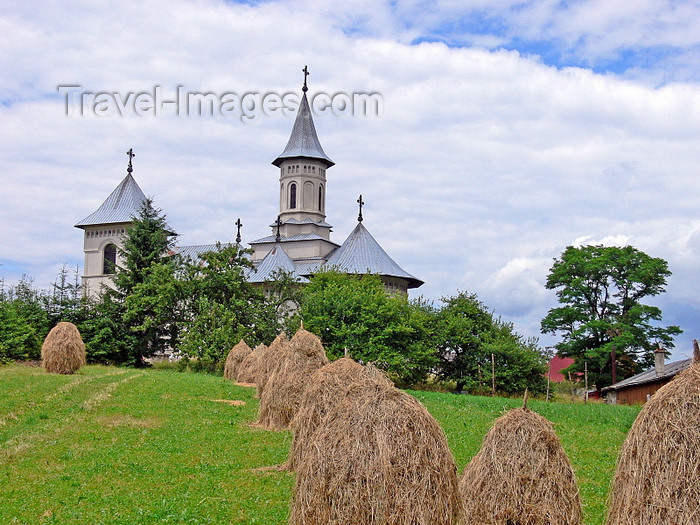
355, 312
136, 315
24, 321
477, 350
602, 319
219, 307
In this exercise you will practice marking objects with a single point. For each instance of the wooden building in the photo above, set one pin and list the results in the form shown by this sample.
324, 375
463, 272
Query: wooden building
638, 389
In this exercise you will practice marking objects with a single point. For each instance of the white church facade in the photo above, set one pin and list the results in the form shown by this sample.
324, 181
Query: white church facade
300, 242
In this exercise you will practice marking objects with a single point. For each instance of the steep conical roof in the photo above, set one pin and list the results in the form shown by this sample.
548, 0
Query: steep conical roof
362, 254
276, 259
303, 141
121, 205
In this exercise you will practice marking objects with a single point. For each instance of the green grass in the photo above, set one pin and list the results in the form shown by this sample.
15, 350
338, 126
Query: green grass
115, 446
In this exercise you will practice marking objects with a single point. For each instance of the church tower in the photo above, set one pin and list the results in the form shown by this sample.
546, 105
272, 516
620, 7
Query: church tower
301, 224
104, 229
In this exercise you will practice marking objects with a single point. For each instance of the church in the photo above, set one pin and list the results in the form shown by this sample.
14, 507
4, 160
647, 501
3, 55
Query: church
300, 242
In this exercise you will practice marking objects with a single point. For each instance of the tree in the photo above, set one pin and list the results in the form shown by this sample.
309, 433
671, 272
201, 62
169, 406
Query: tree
24, 321
220, 307
471, 343
356, 312
136, 313
602, 319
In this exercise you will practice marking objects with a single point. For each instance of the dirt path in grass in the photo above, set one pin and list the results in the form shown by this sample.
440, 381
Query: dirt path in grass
21, 443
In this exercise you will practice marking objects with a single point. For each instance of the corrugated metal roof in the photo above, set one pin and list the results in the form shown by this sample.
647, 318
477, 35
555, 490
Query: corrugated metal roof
293, 238
362, 254
121, 206
194, 252
276, 259
303, 142
321, 223
649, 376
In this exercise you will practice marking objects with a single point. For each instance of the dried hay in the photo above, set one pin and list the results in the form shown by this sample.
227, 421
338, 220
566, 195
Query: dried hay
63, 351
269, 361
281, 397
378, 458
248, 369
521, 476
658, 473
234, 359
324, 390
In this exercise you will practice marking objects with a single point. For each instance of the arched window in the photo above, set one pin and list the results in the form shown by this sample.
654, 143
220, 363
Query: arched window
320, 198
109, 260
293, 195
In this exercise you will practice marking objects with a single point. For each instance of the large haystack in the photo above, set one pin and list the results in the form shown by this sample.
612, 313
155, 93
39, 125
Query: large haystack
248, 370
658, 473
234, 359
281, 397
269, 360
521, 476
63, 351
324, 390
379, 458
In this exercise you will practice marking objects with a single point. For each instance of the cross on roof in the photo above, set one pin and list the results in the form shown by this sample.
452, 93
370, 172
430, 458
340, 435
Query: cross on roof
306, 74
238, 234
278, 222
131, 155
360, 202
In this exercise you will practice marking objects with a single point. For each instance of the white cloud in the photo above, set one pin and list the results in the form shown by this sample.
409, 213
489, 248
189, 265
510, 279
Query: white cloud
483, 168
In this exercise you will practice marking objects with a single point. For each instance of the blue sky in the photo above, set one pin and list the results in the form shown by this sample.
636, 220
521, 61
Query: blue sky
510, 131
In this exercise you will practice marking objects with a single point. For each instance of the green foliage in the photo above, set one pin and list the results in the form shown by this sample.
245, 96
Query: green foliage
220, 307
24, 321
356, 313
467, 335
600, 291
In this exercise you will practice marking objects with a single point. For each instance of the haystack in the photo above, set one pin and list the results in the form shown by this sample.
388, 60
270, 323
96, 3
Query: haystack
234, 359
378, 458
281, 397
63, 351
658, 473
324, 390
521, 476
248, 369
269, 360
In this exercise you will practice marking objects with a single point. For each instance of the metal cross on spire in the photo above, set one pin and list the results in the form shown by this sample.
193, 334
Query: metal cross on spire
238, 234
360, 202
306, 74
278, 222
131, 155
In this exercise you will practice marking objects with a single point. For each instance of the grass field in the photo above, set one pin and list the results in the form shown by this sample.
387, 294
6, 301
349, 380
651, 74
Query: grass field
122, 446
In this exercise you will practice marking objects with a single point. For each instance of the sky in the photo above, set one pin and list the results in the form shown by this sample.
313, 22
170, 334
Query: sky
508, 131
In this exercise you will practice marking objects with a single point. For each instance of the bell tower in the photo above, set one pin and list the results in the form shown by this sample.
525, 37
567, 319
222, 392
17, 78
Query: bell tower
303, 165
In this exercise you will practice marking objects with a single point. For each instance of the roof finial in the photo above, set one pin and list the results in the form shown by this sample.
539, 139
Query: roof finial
131, 155
306, 74
238, 234
278, 222
360, 202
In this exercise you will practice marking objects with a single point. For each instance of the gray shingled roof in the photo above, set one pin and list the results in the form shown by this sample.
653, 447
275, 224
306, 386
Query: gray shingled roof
293, 238
303, 141
121, 205
276, 259
649, 376
361, 253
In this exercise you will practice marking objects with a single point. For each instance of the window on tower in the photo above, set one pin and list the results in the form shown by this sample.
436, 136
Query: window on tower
109, 260
320, 198
293, 195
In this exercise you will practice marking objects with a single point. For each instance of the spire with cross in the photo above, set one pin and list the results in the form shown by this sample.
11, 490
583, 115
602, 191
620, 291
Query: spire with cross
361, 203
238, 234
306, 74
278, 223
131, 155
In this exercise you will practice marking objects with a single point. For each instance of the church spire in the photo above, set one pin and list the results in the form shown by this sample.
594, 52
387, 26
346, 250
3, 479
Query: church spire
303, 142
